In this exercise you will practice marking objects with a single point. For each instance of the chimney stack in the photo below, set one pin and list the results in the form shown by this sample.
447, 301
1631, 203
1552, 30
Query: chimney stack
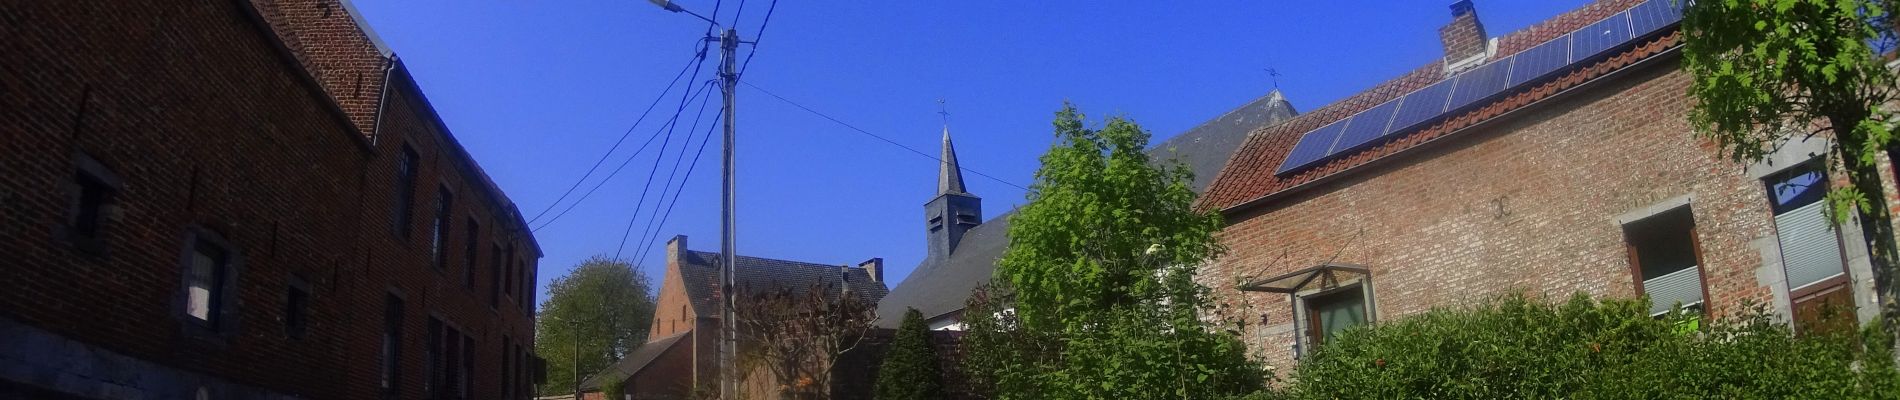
1465, 41
676, 250
874, 267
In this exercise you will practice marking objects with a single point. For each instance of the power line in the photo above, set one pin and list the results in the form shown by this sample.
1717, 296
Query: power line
645, 187
623, 164
697, 59
758, 36
868, 133
682, 189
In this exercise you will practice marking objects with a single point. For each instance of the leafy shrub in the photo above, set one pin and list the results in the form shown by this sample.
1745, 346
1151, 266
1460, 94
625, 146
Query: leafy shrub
1516, 347
910, 366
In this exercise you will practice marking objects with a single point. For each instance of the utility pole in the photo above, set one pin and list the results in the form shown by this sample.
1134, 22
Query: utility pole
728, 249
575, 327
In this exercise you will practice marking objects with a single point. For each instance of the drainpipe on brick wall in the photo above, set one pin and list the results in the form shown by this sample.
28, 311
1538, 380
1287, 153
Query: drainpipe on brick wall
382, 97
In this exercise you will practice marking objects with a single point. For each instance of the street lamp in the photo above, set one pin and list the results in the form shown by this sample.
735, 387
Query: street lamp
729, 82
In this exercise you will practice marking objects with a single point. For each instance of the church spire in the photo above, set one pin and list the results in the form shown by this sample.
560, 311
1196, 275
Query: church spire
949, 175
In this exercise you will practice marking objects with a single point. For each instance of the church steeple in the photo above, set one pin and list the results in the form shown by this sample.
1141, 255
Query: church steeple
949, 175
954, 210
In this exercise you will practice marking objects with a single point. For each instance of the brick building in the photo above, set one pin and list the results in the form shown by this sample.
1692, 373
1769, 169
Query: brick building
681, 353
244, 199
1552, 160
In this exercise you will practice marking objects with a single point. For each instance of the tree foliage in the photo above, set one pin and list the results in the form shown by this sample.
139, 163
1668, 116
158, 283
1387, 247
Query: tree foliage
798, 335
1095, 296
603, 303
910, 370
1517, 347
1767, 72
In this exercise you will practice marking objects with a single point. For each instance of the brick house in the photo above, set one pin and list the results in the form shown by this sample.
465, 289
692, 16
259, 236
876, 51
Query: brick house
1552, 160
244, 199
681, 353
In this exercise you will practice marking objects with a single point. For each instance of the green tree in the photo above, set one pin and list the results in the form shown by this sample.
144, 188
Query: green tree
1770, 71
603, 303
1096, 296
910, 370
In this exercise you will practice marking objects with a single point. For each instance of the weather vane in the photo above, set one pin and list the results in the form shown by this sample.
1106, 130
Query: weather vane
1273, 75
944, 111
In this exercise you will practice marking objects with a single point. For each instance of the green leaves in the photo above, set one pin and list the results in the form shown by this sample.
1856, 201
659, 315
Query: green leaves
1517, 347
910, 370
604, 304
1095, 297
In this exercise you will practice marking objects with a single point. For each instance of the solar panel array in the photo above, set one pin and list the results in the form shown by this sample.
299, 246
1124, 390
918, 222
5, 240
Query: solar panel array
1385, 121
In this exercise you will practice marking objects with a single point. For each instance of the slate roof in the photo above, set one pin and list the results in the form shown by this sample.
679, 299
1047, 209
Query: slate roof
634, 362
1249, 177
700, 275
937, 288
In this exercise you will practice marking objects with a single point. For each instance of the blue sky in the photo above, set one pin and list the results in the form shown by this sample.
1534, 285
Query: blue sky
538, 90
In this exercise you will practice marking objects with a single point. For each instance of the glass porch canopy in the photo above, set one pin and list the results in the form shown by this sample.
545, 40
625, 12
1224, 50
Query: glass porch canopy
1294, 282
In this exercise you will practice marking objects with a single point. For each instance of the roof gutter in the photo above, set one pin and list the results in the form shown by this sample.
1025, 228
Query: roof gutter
1261, 201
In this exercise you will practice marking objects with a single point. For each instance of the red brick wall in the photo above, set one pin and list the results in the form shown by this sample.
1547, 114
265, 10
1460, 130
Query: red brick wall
210, 124
1527, 203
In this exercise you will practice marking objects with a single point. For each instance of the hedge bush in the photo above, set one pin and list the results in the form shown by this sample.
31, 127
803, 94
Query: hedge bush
910, 370
1516, 347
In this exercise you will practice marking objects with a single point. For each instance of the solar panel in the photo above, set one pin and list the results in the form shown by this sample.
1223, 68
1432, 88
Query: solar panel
1596, 38
1365, 128
1479, 84
1653, 15
1484, 82
1421, 106
1537, 62
1312, 147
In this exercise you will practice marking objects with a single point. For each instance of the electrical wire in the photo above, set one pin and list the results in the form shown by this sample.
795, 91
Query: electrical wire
623, 164
868, 133
664, 186
697, 60
682, 188
757, 37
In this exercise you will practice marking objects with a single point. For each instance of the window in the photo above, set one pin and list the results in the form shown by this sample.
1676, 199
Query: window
1811, 255
494, 277
392, 344
204, 281
432, 360
469, 248
468, 366
400, 219
508, 281
296, 308
1331, 312
1664, 257
90, 204
507, 367
439, 228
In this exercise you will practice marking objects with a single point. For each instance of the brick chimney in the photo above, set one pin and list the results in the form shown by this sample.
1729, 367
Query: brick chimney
676, 250
874, 267
1464, 39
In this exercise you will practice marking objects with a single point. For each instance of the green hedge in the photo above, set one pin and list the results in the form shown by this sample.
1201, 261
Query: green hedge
1516, 347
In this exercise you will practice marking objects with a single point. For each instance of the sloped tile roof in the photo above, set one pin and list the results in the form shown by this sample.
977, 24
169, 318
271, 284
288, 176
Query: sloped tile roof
634, 362
1250, 176
700, 275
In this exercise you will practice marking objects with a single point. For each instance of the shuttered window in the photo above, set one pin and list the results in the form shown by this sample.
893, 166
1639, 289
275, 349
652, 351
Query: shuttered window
1810, 247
